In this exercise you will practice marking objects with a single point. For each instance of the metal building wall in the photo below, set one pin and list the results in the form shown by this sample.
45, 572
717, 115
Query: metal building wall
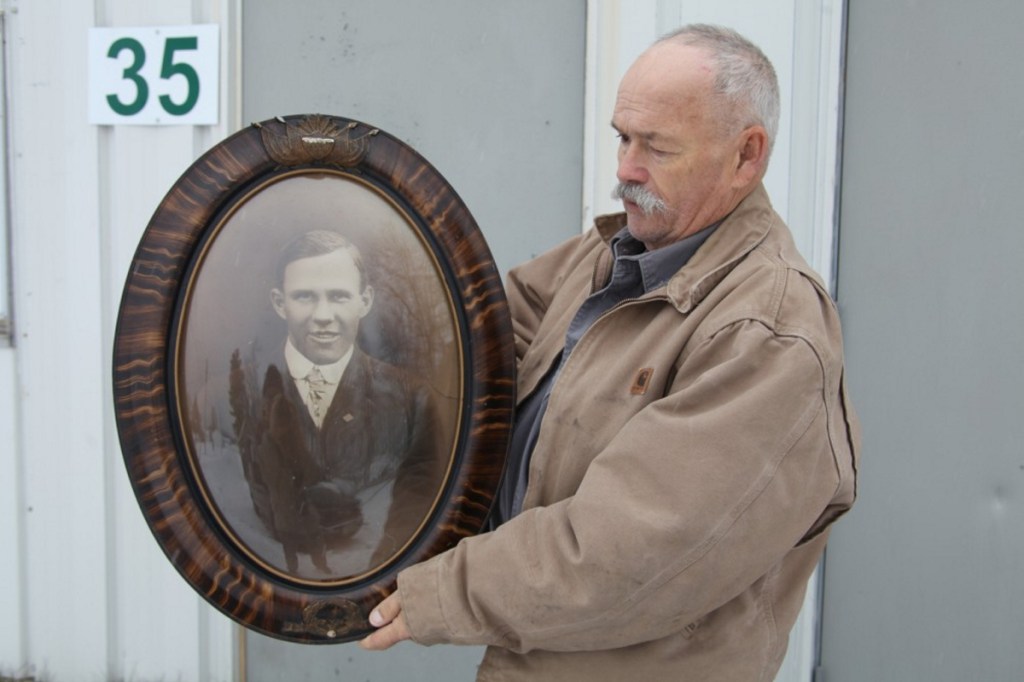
85, 591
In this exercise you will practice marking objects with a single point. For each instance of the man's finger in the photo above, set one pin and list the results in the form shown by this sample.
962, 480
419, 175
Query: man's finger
386, 637
386, 611
388, 617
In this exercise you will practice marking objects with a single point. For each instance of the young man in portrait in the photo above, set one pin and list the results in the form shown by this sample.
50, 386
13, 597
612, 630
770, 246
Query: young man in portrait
338, 428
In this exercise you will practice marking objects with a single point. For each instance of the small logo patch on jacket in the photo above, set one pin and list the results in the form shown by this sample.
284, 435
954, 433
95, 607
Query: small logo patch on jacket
642, 381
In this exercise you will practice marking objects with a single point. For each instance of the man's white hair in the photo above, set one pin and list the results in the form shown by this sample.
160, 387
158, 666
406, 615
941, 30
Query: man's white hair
744, 77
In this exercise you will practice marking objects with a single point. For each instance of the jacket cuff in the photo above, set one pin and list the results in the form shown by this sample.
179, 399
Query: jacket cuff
420, 597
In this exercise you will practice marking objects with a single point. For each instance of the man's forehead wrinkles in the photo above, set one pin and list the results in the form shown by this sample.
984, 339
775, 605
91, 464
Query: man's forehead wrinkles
650, 112
638, 133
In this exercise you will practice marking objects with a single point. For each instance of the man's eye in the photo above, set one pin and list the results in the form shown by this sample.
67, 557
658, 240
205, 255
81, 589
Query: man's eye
340, 298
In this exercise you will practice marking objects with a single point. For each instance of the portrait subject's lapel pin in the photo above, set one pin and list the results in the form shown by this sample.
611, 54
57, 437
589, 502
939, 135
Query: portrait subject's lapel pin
348, 417
642, 381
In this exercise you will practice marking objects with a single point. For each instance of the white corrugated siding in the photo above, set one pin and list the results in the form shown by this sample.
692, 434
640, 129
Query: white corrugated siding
86, 592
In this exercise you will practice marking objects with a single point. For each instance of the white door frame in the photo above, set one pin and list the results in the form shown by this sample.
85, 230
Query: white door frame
805, 42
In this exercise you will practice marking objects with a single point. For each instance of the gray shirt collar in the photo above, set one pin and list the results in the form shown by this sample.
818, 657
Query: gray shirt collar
658, 266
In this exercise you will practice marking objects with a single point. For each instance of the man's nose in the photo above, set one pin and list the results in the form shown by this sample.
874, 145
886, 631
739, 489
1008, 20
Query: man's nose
631, 167
322, 311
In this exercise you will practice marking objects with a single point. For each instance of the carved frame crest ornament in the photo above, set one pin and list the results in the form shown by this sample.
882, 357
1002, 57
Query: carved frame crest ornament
314, 139
182, 434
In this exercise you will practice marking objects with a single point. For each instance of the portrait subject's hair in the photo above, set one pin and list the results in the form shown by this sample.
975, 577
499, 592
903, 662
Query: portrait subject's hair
745, 78
317, 243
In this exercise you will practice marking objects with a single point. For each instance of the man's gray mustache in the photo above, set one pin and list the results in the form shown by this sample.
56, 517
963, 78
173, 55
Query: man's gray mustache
646, 200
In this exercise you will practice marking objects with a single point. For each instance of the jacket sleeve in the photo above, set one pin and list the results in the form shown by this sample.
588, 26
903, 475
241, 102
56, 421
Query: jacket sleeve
699, 495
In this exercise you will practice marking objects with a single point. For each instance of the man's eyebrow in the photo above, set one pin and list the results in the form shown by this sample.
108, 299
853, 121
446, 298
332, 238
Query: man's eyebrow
642, 135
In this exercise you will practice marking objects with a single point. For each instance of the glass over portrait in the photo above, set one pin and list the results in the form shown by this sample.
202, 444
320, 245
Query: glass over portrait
319, 376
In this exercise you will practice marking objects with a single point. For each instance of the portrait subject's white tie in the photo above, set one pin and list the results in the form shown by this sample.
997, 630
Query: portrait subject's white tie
317, 394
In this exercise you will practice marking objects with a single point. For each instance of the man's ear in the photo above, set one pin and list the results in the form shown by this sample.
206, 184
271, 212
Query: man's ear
277, 300
752, 159
367, 297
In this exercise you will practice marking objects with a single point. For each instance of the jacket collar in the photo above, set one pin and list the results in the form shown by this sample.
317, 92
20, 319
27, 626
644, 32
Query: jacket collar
739, 234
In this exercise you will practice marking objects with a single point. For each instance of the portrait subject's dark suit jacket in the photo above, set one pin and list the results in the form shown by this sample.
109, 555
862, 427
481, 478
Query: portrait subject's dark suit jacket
380, 426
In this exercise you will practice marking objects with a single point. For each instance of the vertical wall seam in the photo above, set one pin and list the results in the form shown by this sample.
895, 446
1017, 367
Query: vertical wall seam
8, 333
19, 474
111, 446
840, 135
104, 140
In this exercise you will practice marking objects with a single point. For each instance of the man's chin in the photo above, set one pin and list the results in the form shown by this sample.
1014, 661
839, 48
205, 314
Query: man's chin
638, 224
649, 231
324, 356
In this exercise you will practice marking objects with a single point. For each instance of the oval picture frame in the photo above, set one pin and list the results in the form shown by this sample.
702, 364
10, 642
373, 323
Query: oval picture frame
313, 374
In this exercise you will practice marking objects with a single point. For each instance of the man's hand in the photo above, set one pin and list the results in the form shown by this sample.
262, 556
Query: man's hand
389, 619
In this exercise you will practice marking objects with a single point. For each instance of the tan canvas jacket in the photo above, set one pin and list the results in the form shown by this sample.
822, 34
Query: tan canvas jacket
695, 449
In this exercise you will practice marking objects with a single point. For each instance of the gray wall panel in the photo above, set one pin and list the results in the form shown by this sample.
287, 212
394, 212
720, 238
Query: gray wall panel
491, 93
923, 579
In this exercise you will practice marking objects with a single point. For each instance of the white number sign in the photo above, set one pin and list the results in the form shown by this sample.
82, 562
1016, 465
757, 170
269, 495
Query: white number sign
160, 75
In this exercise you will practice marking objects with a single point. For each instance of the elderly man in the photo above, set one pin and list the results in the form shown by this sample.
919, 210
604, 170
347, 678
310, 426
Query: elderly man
683, 439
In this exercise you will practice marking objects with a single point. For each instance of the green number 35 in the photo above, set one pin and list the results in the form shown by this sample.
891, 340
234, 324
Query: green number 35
167, 69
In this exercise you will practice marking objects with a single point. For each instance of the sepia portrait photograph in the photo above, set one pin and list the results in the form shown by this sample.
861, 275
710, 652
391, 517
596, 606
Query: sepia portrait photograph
319, 376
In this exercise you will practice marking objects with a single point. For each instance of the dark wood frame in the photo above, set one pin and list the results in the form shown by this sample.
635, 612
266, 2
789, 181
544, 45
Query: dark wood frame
158, 465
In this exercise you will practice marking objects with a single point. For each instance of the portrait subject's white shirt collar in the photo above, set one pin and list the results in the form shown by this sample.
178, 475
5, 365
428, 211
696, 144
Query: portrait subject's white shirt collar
299, 365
